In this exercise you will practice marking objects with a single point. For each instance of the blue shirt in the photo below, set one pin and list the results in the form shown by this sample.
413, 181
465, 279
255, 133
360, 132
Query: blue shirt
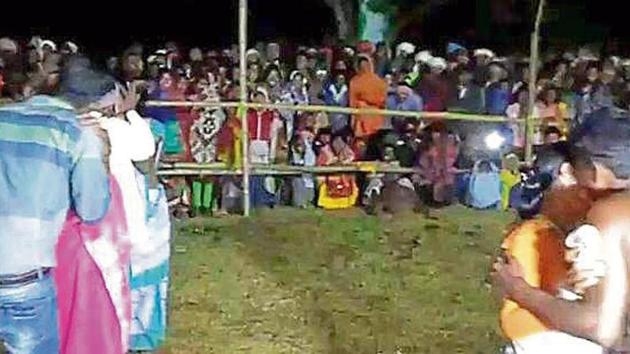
48, 165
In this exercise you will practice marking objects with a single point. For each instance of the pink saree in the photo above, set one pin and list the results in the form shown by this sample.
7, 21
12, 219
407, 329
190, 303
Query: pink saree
92, 278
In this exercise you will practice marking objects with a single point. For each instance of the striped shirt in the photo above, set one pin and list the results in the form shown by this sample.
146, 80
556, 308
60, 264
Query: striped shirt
48, 164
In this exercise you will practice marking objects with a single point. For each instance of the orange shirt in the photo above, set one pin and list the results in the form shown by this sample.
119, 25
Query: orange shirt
367, 90
538, 246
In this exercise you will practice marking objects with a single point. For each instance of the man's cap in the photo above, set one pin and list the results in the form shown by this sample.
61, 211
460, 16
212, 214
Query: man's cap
453, 48
484, 52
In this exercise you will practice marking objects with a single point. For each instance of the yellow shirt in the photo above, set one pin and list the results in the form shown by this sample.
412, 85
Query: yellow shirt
508, 180
538, 246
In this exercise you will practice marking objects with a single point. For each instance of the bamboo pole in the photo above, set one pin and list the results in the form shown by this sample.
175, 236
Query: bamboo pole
343, 110
533, 78
242, 43
278, 170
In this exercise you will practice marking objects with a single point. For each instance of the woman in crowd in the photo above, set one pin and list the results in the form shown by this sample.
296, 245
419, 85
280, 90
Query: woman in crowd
274, 83
336, 95
437, 163
263, 127
336, 191
303, 154
367, 91
204, 135
203, 142
230, 152
296, 94
552, 110
92, 278
165, 123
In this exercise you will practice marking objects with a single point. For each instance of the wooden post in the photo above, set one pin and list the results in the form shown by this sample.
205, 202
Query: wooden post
242, 110
533, 78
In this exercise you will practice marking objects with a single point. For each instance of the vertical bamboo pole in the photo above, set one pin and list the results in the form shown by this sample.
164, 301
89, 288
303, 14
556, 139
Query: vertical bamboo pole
533, 78
242, 110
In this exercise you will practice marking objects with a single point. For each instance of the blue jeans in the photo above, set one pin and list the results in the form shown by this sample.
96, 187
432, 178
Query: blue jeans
28, 318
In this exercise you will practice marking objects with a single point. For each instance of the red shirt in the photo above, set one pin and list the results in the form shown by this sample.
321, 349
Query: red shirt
260, 124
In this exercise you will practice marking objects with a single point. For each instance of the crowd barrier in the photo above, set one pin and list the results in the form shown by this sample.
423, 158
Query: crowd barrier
245, 170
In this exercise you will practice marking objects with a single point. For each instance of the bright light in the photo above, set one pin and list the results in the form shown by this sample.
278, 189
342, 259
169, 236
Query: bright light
494, 141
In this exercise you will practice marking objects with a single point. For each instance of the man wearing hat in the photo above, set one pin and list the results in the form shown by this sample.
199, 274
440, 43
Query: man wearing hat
483, 57
50, 165
403, 99
434, 87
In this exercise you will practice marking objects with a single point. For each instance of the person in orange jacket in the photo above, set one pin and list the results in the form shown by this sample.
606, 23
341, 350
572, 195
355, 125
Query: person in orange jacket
367, 91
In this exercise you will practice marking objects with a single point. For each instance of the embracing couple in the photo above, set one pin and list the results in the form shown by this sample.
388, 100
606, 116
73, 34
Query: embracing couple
563, 277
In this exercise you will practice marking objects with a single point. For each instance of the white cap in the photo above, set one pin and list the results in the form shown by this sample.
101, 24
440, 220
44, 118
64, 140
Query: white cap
406, 48
484, 52
251, 52
49, 43
586, 54
424, 57
72, 47
438, 63
615, 60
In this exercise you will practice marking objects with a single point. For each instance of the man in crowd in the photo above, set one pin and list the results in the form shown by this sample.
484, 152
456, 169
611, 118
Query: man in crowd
49, 165
551, 309
403, 99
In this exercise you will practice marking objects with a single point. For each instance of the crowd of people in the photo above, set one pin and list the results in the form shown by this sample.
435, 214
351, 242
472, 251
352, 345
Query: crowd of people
570, 85
86, 220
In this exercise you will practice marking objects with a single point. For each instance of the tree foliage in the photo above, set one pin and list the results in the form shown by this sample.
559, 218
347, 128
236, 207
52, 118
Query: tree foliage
388, 7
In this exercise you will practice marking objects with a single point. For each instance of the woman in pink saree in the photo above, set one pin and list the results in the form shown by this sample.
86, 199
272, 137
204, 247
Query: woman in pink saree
92, 279
93, 284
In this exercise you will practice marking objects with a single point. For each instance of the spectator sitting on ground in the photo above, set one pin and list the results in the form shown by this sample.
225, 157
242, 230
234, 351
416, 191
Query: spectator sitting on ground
337, 191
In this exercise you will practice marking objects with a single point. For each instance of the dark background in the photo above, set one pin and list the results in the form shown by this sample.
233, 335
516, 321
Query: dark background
103, 28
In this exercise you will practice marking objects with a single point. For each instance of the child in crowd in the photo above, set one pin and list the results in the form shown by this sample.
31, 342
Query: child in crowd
302, 154
337, 191
510, 177
484, 186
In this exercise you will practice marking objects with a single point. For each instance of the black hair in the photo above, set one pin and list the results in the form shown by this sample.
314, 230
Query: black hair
362, 59
552, 130
551, 158
485, 166
268, 69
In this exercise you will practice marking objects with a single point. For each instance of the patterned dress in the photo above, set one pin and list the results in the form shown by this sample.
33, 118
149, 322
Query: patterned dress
204, 135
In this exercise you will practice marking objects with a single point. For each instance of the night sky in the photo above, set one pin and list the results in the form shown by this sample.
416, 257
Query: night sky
114, 24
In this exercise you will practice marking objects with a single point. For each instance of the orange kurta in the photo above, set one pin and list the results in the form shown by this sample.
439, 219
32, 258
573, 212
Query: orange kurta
538, 246
367, 90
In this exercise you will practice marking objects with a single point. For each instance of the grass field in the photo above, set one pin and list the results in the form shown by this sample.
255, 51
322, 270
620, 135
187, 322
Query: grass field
290, 281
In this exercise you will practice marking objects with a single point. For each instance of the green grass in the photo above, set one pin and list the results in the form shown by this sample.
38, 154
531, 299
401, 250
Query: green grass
290, 281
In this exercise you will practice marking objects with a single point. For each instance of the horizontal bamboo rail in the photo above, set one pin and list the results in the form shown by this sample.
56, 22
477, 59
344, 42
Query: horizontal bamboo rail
218, 169
342, 110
